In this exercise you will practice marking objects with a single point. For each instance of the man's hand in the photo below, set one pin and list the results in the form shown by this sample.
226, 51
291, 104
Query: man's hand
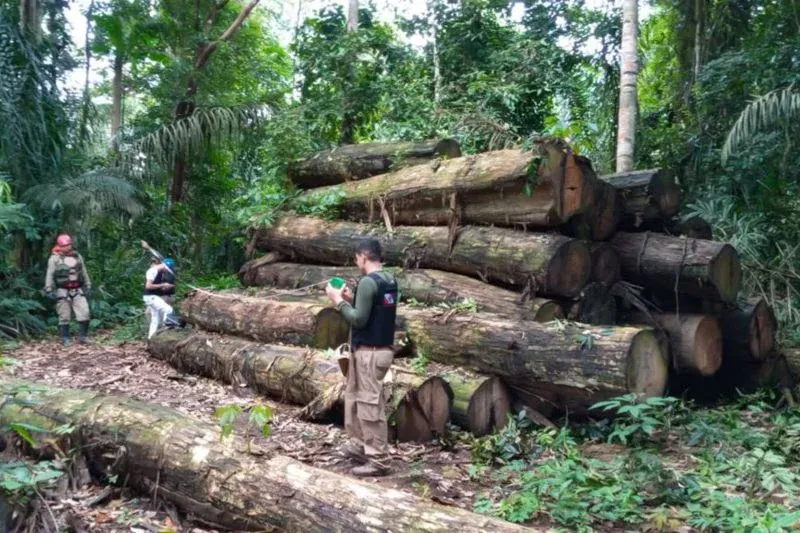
166, 286
334, 294
347, 294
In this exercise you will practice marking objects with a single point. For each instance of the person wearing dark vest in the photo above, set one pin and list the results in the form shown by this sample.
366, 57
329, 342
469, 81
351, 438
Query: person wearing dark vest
371, 312
159, 286
67, 282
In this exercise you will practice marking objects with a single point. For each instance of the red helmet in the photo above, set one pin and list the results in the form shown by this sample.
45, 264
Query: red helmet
64, 240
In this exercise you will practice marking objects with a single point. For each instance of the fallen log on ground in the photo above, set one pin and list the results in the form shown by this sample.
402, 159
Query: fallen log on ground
250, 269
359, 161
304, 321
695, 340
606, 267
547, 366
540, 189
545, 263
180, 459
749, 332
428, 287
647, 195
595, 305
702, 269
600, 220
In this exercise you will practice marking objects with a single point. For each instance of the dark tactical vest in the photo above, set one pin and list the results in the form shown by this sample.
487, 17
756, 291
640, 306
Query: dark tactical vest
68, 273
163, 276
379, 330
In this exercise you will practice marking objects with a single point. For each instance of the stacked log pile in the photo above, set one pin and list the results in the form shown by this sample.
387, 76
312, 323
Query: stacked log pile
525, 280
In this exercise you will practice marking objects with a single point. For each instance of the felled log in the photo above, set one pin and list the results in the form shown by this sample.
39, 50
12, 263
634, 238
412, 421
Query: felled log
735, 378
792, 358
693, 227
290, 374
540, 189
549, 264
601, 219
428, 287
180, 459
481, 404
749, 332
311, 322
703, 269
547, 366
695, 340
250, 268
606, 268
595, 305
647, 195
359, 161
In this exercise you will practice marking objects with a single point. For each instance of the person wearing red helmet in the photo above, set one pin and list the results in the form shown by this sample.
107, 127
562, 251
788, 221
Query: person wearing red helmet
67, 282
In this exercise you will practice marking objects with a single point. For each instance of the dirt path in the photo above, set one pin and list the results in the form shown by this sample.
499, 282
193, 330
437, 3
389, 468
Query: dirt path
127, 370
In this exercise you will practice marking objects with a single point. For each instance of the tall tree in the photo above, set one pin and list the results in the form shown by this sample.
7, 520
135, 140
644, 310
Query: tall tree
626, 129
348, 120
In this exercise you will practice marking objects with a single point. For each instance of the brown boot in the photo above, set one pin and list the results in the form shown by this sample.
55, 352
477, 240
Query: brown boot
373, 468
354, 452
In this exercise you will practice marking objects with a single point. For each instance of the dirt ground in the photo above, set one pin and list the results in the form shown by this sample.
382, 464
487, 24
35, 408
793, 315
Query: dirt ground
436, 471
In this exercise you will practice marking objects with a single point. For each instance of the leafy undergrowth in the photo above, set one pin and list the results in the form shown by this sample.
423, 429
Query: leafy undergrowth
659, 466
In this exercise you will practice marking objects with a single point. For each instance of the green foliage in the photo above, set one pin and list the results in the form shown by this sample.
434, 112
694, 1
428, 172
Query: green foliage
636, 421
259, 418
420, 362
515, 441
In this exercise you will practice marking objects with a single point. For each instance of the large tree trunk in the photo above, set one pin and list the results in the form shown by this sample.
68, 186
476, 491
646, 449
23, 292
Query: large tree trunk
606, 268
648, 196
548, 366
505, 187
181, 460
600, 221
628, 103
703, 269
695, 341
304, 321
116, 100
547, 264
749, 332
429, 287
359, 161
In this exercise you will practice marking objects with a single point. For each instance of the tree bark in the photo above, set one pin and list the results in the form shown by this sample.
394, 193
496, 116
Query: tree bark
606, 267
544, 263
600, 221
429, 287
304, 321
181, 460
703, 269
116, 100
695, 341
550, 367
628, 103
596, 305
491, 188
360, 161
749, 332
648, 196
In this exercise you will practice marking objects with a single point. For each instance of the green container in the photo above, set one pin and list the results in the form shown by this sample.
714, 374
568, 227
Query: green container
337, 283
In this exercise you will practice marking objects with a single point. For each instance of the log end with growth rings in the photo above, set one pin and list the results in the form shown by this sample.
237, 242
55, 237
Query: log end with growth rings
569, 269
707, 352
762, 330
666, 192
726, 273
648, 367
489, 407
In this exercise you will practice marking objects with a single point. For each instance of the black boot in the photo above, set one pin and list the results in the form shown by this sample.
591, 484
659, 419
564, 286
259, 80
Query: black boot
65, 338
83, 337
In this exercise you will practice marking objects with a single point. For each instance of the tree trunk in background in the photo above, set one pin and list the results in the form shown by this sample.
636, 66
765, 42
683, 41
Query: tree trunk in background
116, 100
30, 17
626, 132
348, 120
352, 16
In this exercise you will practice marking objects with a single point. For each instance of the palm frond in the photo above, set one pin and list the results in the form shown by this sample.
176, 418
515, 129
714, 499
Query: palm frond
192, 135
92, 193
760, 114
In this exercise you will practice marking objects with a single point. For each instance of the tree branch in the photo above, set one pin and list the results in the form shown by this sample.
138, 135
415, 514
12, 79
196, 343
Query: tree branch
212, 15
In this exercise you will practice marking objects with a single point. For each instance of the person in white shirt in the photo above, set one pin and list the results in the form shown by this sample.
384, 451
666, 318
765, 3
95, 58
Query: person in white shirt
159, 282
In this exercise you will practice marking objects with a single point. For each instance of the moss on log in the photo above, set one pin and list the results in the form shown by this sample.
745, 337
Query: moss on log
703, 269
180, 459
429, 287
359, 161
505, 187
548, 366
548, 264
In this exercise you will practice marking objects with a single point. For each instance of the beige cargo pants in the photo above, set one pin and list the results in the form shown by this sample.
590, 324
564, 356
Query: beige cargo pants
65, 306
364, 401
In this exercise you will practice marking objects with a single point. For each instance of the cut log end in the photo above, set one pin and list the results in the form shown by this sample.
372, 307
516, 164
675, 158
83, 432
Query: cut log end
606, 268
762, 330
707, 353
647, 365
569, 269
447, 149
489, 407
726, 273
422, 413
666, 192
546, 310
332, 330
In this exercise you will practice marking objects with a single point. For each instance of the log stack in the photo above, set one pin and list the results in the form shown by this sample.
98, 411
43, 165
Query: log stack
525, 279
